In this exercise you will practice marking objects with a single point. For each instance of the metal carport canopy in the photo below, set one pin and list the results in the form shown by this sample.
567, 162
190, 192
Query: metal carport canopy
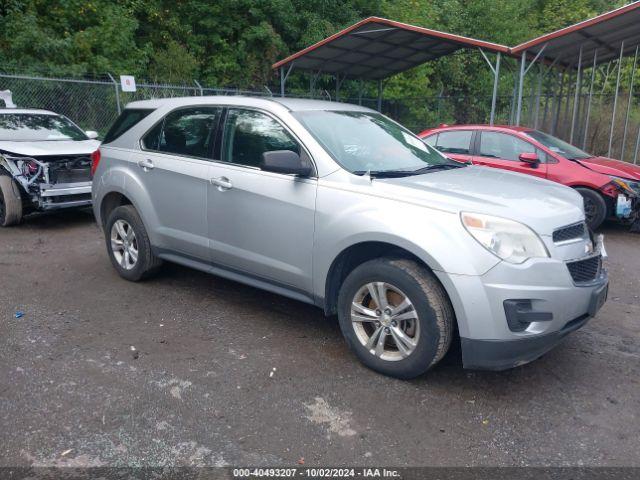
376, 48
605, 33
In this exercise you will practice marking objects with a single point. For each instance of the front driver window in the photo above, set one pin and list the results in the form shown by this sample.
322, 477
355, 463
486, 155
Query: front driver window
506, 147
248, 134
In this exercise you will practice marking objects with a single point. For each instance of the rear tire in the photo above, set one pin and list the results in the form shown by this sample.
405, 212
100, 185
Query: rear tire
421, 333
595, 207
10, 202
129, 246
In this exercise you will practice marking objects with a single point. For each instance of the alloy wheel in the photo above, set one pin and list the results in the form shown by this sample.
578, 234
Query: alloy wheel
385, 321
124, 244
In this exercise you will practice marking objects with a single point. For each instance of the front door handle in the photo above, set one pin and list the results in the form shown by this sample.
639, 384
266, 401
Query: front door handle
146, 165
223, 183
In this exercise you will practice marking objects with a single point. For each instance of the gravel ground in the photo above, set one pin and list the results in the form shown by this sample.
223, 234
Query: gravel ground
224, 374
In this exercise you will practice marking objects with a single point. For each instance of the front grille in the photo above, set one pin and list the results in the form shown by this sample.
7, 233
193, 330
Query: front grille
587, 270
74, 175
70, 169
572, 232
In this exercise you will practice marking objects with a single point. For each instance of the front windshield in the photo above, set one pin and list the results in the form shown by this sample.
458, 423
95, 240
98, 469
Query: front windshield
369, 142
558, 146
37, 127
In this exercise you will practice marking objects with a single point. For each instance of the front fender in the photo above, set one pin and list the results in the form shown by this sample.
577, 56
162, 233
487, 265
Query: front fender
345, 218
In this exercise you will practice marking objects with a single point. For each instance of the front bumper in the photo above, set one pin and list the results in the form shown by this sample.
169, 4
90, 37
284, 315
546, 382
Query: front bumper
556, 306
64, 195
504, 354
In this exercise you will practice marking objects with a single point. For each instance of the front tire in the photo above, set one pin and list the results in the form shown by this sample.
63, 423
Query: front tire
395, 316
129, 246
10, 202
595, 207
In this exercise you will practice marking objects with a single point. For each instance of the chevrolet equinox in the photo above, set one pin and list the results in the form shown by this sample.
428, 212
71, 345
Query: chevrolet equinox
338, 206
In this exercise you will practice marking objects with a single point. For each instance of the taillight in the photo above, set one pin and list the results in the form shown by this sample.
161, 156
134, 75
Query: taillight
95, 161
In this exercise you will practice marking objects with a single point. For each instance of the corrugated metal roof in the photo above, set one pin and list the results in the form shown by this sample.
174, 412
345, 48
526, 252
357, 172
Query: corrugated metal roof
377, 48
604, 33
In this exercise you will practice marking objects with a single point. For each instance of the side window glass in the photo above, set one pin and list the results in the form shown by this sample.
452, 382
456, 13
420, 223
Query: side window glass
503, 146
248, 134
431, 141
151, 141
188, 131
127, 119
457, 141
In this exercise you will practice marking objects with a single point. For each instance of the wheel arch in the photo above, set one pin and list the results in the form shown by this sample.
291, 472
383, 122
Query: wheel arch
608, 199
110, 202
356, 254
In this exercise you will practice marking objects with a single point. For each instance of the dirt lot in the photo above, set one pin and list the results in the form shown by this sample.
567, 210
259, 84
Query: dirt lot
224, 374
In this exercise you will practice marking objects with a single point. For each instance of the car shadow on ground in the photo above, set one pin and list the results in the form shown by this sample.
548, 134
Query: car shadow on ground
57, 220
290, 317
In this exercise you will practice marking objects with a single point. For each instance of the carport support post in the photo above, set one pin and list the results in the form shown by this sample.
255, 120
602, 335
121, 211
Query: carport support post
512, 115
115, 84
496, 79
283, 77
523, 61
380, 96
556, 117
538, 94
629, 104
282, 81
615, 100
576, 97
635, 155
593, 78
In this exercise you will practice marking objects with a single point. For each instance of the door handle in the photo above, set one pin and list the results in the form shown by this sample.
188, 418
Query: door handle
223, 183
145, 164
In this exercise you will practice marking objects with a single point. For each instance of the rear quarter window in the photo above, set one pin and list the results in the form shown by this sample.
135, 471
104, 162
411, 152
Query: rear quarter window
127, 119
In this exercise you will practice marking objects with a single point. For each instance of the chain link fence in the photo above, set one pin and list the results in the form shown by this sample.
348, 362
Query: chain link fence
94, 104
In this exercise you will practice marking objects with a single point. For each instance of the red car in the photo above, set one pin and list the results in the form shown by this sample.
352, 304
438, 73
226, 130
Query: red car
610, 188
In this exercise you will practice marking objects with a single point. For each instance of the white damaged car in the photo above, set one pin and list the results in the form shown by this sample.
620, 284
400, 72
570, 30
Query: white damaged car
45, 162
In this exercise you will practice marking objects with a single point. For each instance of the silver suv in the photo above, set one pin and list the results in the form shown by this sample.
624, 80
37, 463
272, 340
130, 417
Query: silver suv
340, 207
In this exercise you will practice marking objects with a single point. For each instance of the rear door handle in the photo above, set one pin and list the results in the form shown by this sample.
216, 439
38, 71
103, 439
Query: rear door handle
145, 164
223, 183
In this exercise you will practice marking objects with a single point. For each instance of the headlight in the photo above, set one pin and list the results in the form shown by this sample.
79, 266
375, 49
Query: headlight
511, 241
626, 185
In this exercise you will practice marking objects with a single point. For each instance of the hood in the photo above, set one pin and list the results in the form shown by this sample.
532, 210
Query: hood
41, 149
609, 166
539, 204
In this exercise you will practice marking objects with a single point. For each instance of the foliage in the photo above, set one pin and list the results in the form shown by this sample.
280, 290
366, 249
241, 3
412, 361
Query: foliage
233, 43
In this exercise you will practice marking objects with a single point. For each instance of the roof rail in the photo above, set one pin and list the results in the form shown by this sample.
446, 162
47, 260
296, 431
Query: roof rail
6, 96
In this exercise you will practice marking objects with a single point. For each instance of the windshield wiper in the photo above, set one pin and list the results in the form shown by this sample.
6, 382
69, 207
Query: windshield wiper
407, 173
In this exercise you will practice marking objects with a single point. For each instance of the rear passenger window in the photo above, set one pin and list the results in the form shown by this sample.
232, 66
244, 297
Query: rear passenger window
127, 119
188, 131
457, 141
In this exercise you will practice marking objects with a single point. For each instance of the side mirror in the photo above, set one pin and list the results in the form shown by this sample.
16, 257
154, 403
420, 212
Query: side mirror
92, 134
285, 161
530, 158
